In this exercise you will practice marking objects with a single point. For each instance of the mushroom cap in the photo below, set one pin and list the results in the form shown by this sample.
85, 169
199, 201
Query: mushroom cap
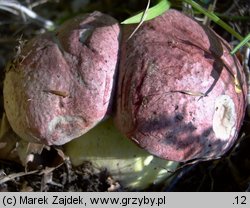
61, 84
181, 95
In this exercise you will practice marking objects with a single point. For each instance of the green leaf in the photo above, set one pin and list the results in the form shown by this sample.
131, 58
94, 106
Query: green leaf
151, 13
216, 19
242, 43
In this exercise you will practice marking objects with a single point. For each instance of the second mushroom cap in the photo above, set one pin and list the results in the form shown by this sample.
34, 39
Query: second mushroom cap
181, 95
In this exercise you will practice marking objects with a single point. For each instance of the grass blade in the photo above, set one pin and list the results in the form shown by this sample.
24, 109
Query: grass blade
216, 19
152, 12
242, 43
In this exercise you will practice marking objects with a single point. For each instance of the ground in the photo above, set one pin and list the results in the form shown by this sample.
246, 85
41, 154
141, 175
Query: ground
229, 173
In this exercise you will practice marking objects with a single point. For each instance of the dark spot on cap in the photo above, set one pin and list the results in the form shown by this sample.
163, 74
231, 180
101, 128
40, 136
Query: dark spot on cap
178, 117
207, 132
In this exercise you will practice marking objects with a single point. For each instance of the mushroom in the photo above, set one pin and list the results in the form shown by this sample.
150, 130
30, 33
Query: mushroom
181, 95
107, 149
61, 84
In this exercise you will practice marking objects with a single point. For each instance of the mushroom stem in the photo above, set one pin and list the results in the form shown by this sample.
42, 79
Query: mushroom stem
131, 166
